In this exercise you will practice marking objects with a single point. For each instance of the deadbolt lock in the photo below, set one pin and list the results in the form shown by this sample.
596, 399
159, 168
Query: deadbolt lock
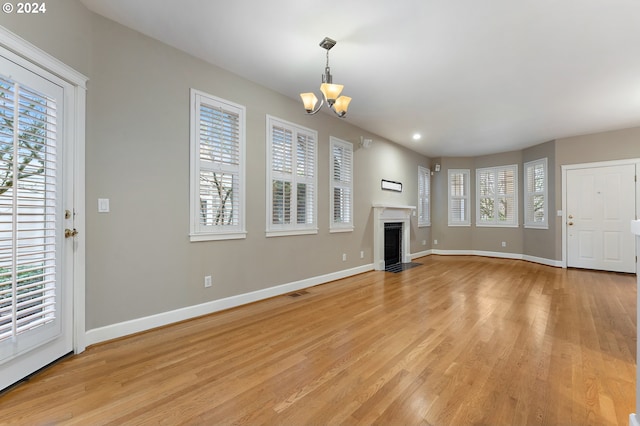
67, 214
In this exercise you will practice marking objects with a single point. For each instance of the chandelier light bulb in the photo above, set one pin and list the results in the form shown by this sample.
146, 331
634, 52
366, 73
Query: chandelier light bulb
309, 100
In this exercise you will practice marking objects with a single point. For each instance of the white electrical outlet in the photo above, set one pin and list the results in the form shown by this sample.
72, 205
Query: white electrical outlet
362, 255
344, 257
424, 242
207, 281
504, 244
435, 242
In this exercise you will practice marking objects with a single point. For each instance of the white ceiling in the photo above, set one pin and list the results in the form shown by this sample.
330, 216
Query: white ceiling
473, 77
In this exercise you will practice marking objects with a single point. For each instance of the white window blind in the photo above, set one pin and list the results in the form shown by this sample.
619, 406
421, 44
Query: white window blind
458, 197
535, 188
341, 185
291, 177
497, 196
217, 168
28, 186
424, 190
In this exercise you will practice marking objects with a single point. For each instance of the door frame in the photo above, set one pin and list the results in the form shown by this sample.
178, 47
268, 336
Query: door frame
33, 58
565, 168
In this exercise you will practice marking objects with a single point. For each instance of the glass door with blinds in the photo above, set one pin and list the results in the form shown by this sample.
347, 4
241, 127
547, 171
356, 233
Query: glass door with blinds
34, 317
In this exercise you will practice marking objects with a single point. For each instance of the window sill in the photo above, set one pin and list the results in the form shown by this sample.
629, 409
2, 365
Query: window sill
217, 236
339, 230
291, 232
424, 225
496, 225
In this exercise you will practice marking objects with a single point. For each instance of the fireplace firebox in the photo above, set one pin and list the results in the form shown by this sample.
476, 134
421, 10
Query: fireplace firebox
392, 243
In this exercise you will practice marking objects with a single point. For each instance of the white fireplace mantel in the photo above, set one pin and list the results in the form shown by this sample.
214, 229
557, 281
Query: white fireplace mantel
389, 213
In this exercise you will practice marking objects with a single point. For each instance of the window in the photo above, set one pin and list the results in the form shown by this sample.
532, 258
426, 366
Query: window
217, 168
424, 182
291, 179
497, 196
29, 187
535, 194
459, 197
341, 185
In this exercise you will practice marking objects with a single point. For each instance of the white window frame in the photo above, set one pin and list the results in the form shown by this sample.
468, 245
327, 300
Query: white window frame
466, 173
513, 168
293, 228
200, 232
345, 182
530, 193
424, 196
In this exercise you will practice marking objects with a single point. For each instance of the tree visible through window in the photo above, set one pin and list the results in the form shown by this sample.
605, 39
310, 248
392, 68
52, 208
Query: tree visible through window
217, 168
497, 196
28, 188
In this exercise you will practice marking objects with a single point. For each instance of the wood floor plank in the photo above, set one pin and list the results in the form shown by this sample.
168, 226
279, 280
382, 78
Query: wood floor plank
459, 340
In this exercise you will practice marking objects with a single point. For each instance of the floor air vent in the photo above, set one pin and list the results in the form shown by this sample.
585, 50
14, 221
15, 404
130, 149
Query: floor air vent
298, 293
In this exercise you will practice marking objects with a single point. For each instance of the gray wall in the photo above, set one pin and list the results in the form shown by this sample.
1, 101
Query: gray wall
472, 237
138, 157
139, 258
64, 32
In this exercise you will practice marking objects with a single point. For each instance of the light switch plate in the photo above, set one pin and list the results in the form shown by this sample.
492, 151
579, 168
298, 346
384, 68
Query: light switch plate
103, 205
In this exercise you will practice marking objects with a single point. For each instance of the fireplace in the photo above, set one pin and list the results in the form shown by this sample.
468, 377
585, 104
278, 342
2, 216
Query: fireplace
392, 243
395, 215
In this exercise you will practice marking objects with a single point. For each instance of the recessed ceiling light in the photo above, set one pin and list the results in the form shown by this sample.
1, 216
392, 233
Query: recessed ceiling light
416, 136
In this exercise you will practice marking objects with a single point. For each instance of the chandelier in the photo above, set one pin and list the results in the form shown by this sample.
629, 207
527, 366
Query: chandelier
331, 92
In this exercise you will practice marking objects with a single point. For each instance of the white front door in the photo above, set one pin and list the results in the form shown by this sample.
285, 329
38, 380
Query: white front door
600, 207
36, 325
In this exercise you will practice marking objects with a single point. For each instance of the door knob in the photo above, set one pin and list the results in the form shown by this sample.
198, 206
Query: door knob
68, 233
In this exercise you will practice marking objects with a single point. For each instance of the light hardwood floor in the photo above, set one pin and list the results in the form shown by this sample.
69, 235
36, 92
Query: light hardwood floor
458, 340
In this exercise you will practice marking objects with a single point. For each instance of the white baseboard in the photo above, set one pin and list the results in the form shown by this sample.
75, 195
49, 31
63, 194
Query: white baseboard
634, 420
543, 261
517, 256
420, 254
499, 254
137, 325
453, 252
